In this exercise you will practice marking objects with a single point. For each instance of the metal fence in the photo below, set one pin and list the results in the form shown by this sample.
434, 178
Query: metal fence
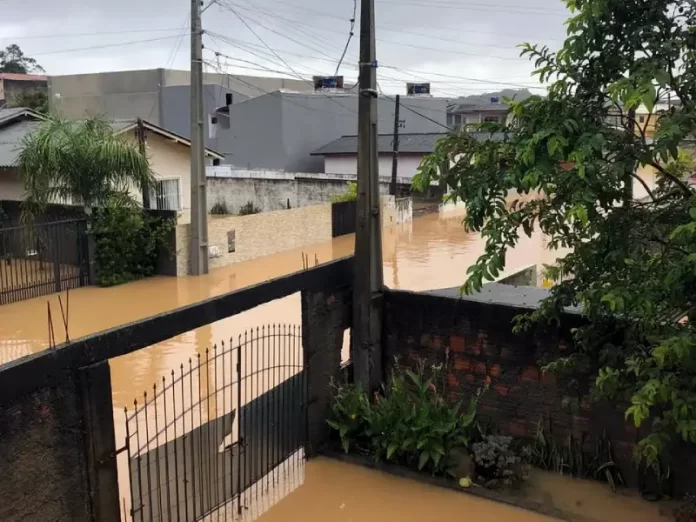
40, 259
343, 218
219, 431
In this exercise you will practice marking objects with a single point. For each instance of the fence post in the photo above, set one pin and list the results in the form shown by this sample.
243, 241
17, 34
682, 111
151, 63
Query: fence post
95, 384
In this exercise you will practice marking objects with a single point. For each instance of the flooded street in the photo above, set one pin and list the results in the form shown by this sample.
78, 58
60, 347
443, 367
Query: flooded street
432, 252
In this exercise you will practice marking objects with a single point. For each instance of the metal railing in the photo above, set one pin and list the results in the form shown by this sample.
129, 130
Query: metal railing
220, 430
39, 259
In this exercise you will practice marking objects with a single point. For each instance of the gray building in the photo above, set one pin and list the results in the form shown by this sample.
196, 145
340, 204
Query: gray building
153, 94
281, 130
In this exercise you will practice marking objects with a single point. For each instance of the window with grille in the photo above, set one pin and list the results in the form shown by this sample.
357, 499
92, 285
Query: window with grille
167, 194
491, 119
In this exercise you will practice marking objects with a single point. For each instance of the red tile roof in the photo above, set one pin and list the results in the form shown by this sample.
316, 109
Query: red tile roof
23, 77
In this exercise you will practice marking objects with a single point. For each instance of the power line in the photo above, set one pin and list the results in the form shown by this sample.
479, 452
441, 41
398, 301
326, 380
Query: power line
497, 8
350, 36
94, 47
76, 35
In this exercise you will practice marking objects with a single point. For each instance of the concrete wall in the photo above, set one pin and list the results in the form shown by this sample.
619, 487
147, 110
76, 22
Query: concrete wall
258, 140
478, 348
138, 93
272, 190
348, 164
257, 235
121, 94
10, 90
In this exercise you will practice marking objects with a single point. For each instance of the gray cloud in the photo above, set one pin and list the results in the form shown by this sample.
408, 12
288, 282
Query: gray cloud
452, 43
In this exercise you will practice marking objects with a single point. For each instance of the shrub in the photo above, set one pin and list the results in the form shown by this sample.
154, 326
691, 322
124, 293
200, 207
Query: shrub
497, 462
219, 208
351, 195
249, 208
409, 423
127, 243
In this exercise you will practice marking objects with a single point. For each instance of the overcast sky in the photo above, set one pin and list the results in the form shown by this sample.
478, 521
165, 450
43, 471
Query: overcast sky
461, 46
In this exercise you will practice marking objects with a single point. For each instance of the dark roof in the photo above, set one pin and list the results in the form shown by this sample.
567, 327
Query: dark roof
408, 143
489, 107
524, 297
413, 143
17, 123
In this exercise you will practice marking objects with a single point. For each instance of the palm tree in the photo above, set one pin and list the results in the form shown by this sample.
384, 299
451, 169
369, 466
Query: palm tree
81, 161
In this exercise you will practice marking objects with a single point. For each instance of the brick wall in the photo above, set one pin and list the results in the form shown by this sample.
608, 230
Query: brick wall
477, 343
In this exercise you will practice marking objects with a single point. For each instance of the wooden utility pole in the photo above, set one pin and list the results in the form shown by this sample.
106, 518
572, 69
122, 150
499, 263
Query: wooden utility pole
395, 147
199, 208
368, 282
140, 133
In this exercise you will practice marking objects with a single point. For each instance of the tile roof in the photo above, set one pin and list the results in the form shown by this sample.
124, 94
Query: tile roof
408, 143
23, 77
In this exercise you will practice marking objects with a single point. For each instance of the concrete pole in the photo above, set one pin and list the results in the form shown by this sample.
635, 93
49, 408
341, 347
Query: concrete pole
143, 150
395, 147
368, 283
199, 207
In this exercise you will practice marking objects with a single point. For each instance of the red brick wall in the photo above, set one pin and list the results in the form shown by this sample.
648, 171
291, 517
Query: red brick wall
476, 342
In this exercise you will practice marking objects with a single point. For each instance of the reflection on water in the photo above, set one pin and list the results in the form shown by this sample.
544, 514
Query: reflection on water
432, 252
338, 492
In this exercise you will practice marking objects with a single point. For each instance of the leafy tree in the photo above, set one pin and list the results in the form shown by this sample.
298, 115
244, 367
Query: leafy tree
83, 161
632, 264
13, 60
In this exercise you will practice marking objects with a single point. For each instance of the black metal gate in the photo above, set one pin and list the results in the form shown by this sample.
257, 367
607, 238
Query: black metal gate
343, 218
215, 431
40, 259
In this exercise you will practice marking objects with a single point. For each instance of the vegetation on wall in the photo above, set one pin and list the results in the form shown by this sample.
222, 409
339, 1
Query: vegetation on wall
249, 208
219, 208
127, 243
351, 195
36, 101
632, 264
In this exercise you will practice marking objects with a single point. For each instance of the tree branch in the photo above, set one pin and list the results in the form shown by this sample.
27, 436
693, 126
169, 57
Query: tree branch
683, 186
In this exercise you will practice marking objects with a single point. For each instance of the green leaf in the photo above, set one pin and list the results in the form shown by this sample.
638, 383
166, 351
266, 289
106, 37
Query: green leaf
343, 430
423, 460
333, 424
391, 450
692, 213
346, 445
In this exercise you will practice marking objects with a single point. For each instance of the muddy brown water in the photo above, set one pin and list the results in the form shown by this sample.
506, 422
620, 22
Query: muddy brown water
432, 252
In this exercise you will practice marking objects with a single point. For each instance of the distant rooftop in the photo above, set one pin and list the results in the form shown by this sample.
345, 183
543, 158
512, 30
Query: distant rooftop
23, 77
416, 143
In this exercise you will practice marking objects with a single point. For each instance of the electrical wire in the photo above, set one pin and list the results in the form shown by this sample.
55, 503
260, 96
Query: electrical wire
79, 35
104, 46
350, 36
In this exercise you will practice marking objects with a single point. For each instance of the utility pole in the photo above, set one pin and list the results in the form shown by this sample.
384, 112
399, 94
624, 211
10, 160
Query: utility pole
368, 278
395, 147
140, 132
199, 208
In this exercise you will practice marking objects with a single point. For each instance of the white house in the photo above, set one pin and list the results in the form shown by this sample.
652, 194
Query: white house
169, 155
341, 155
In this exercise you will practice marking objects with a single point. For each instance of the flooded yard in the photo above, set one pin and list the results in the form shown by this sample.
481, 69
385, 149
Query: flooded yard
432, 252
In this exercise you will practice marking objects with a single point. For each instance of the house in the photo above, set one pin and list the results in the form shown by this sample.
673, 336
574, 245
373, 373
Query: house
281, 130
463, 114
168, 152
13, 86
341, 155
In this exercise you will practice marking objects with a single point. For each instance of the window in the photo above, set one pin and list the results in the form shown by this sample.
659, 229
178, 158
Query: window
231, 241
167, 194
454, 120
641, 119
491, 119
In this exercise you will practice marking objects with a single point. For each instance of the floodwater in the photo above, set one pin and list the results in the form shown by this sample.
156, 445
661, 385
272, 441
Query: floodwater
432, 252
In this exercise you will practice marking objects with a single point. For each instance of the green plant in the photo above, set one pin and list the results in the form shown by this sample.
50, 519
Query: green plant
83, 160
350, 411
351, 195
498, 462
219, 208
127, 243
565, 164
571, 459
248, 209
412, 422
